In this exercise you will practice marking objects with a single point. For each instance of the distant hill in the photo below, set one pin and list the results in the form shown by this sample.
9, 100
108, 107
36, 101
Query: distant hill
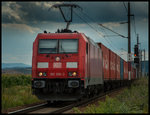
14, 65
15, 70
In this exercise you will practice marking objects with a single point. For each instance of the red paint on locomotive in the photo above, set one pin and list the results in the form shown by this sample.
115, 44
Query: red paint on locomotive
84, 66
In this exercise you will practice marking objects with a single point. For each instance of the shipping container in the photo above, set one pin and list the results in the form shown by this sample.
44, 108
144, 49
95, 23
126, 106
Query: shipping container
105, 51
125, 70
133, 75
118, 67
112, 61
121, 68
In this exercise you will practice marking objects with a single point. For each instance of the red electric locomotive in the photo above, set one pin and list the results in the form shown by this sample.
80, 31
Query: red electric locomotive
65, 66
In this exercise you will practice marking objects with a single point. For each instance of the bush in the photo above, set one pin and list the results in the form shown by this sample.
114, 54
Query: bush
14, 80
17, 96
16, 91
133, 100
109, 106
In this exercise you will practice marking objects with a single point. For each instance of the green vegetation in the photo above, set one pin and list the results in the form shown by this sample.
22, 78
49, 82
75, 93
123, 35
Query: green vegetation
16, 91
15, 80
131, 100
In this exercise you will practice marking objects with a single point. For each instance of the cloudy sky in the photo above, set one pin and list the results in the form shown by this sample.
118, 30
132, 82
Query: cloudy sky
22, 21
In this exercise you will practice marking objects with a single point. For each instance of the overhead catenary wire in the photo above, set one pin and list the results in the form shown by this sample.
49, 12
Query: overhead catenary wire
113, 31
89, 24
93, 28
134, 25
125, 7
105, 32
104, 26
97, 31
93, 21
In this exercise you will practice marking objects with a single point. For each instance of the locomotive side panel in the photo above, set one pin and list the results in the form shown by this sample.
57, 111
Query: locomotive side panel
34, 55
92, 56
82, 57
95, 64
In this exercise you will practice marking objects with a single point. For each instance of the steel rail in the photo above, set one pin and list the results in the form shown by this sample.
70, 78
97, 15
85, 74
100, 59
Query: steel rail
65, 108
86, 101
28, 109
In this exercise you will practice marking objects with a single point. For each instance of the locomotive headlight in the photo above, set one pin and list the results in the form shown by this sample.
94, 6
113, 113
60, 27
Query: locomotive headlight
74, 74
40, 74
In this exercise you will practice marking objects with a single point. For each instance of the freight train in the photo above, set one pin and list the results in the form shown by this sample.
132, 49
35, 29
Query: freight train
67, 66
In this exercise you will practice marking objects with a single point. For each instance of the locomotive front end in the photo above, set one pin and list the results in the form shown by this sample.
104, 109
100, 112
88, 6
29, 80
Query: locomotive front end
56, 73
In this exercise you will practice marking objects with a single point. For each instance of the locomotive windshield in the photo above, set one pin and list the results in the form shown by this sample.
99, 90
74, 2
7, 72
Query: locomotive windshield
68, 46
48, 46
58, 45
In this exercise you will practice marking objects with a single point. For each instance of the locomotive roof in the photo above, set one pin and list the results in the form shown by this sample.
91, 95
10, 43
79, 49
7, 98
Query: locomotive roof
54, 34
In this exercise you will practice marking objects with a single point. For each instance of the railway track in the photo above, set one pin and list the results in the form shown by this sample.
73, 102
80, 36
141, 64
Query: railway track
60, 107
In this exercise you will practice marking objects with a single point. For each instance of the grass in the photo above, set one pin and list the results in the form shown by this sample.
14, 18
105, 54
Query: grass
9, 80
17, 96
131, 100
16, 91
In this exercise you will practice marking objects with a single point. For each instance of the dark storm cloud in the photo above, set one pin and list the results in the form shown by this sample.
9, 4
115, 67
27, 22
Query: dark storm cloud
114, 11
38, 12
103, 11
28, 12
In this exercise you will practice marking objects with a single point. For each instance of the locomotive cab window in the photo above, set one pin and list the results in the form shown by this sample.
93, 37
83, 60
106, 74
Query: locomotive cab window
47, 46
58, 46
68, 46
